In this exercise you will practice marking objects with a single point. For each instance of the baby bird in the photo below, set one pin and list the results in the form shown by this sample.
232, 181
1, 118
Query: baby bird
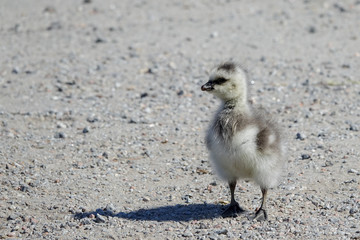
244, 143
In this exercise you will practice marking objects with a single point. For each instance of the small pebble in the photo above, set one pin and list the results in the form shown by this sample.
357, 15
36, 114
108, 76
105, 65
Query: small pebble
352, 211
214, 34
352, 171
328, 163
187, 198
306, 82
110, 209
105, 155
100, 219
11, 234
312, 29
180, 93
11, 217
222, 231
213, 183
172, 65
92, 119
353, 127
144, 95
49, 9
59, 135
339, 7
54, 26
300, 136
61, 125
305, 156
99, 40
187, 234
85, 130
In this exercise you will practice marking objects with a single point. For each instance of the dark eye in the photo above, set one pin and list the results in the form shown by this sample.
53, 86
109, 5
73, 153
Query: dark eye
219, 80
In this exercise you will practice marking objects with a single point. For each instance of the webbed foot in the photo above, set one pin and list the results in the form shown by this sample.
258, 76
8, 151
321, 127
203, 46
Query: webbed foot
261, 215
233, 210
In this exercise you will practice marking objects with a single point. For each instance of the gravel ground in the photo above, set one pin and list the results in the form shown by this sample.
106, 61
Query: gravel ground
102, 120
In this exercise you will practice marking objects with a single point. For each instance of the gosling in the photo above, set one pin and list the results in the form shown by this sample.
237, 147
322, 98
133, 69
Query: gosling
244, 142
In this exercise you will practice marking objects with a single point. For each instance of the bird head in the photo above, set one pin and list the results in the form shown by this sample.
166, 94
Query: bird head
227, 81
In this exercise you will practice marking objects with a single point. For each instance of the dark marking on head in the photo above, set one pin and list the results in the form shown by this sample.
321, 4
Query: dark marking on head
219, 81
227, 66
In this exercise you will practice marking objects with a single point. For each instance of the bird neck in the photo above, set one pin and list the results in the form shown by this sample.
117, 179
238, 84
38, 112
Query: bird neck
238, 104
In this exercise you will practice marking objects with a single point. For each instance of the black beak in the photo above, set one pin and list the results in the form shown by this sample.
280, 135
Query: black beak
207, 86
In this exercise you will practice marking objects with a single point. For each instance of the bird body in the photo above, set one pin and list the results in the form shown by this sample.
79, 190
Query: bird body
243, 142
244, 147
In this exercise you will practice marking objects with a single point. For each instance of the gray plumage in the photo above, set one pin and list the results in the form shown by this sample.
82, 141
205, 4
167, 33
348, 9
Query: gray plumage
243, 142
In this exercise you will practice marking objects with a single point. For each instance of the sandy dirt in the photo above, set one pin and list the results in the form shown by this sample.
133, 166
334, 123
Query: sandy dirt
102, 120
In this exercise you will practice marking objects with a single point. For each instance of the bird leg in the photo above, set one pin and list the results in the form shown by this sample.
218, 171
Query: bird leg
234, 208
261, 214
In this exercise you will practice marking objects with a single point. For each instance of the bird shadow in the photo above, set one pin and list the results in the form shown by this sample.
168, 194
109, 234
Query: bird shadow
178, 213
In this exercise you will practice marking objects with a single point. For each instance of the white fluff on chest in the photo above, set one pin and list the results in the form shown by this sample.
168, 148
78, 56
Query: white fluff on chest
240, 158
